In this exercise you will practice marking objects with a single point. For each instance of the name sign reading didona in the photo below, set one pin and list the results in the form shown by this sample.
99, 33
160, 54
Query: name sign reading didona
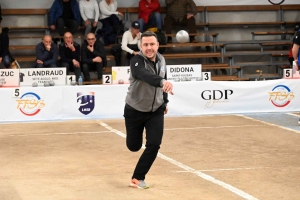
42, 75
9, 77
120, 75
184, 72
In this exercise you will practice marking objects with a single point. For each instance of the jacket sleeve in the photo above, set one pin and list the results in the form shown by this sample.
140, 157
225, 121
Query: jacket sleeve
100, 51
76, 12
84, 53
169, 2
139, 72
97, 13
107, 12
4, 45
52, 13
54, 58
193, 7
82, 11
165, 95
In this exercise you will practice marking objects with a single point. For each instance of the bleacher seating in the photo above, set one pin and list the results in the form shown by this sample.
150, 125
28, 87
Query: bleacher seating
210, 39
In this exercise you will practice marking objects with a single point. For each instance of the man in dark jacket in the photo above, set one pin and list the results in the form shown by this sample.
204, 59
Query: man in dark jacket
47, 53
64, 13
69, 52
177, 14
5, 55
93, 56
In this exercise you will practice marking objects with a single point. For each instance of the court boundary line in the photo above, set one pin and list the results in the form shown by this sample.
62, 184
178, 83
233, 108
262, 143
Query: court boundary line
269, 123
189, 169
45, 134
209, 127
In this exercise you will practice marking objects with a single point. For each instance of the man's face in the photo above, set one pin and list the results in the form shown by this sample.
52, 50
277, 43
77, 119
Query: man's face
47, 40
149, 47
135, 30
68, 38
91, 39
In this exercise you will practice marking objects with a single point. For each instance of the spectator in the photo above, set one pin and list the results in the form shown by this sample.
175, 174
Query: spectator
111, 20
295, 50
47, 53
5, 55
93, 56
177, 14
130, 41
149, 14
64, 13
89, 11
291, 57
69, 52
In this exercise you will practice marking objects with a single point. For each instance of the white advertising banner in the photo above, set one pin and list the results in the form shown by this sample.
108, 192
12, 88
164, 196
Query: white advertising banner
29, 76
31, 104
94, 102
190, 99
120, 75
9, 77
184, 72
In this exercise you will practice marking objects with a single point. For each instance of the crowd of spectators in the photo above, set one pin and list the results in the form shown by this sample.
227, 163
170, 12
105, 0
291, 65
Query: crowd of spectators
103, 18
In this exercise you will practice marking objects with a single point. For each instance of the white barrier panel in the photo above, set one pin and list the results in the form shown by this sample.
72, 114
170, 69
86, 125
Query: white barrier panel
30, 104
86, 102
184, 72
9, 77
107, 101
41, 75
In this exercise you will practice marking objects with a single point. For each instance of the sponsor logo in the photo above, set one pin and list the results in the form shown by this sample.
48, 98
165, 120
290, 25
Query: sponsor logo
281, 96
216, 96
86, 102
30, 104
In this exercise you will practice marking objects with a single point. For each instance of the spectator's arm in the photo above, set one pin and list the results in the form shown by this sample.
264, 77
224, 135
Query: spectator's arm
169, 2
54, 51
105, 11
84, 52
52, 12
193, 7
82, 11
96, 11
100, 51
125, 43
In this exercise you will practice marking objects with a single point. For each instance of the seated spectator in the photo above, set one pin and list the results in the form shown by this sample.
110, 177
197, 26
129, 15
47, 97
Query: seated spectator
111, 20
69, 52
64, 13
177, 14
47, 53
5, 55
149, 15
89, 11
93, 56
130, 43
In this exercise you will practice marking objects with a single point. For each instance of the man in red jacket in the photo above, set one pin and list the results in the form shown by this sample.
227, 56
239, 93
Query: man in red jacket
149, 15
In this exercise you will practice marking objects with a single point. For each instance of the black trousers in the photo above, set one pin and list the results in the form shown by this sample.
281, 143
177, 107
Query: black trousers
70, 67
135, 122
95, 66
72, 25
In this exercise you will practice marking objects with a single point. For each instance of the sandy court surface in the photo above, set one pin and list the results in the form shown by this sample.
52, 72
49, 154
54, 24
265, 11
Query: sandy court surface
208, 157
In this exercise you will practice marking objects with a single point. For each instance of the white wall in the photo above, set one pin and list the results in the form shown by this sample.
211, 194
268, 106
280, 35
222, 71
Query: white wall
132, 3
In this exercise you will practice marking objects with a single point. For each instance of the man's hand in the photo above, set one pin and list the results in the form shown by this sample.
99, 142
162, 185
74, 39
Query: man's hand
39, 62
97, 59
119, 13
90, 48
70, 45
297, 66
52, 27
95, 23
135, 53
189, 16
166, 111
76, 63
168, 87
87, 22
0, 59
48, 47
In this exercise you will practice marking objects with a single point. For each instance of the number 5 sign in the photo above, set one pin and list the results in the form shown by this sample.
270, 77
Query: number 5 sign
287, 73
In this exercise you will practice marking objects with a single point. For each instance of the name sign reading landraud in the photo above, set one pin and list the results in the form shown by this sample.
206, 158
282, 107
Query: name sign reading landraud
184, 72
9, 77
41, 75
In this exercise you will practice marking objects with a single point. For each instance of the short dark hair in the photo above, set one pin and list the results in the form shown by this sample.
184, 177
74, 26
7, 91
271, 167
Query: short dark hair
149, 34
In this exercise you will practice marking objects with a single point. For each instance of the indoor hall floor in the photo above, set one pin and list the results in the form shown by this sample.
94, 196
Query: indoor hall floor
215, 157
